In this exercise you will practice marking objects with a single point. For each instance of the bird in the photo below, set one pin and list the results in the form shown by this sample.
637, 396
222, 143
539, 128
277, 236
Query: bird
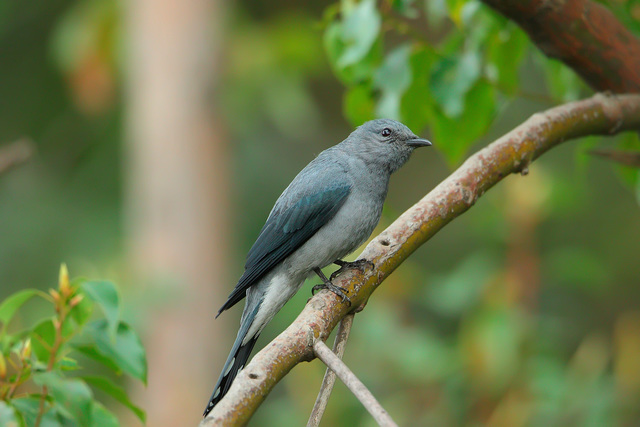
330, 208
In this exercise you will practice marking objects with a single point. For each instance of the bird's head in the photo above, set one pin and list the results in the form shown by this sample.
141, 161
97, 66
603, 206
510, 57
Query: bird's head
385, 141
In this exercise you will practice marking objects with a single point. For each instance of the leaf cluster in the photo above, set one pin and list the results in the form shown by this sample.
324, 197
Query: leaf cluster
41, 376
449, 63
451, 66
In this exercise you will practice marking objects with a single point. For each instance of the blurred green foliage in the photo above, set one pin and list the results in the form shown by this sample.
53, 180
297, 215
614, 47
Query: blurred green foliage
40, 383
459, 73
66, 199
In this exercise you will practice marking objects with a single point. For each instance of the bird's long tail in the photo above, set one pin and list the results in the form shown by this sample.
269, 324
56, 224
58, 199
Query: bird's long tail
235, 362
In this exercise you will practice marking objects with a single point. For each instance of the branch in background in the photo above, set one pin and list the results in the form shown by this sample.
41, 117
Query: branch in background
512, 153
626, 158
14, 154
584, 35
353, 383
329, 376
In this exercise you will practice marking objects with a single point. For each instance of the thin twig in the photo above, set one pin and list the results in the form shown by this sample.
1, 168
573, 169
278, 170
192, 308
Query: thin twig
16, 383
58, 343
329, 376
13, 154
626, 158
353, 383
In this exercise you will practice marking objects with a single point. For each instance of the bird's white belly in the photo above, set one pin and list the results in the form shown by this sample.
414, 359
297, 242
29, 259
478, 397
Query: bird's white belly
280, 289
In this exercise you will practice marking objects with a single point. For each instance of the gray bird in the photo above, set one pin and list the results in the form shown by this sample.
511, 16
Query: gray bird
327, 212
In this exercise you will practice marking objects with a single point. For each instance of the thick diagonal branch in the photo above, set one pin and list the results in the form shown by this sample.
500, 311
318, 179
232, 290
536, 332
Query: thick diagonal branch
512, 153
584, 35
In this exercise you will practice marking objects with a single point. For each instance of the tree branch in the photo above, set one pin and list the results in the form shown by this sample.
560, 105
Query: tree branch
626, 158
512, 153
329, 379
13, 154
353, 383
584, 35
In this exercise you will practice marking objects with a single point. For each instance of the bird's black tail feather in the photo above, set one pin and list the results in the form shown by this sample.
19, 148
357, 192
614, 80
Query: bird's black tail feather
235, 362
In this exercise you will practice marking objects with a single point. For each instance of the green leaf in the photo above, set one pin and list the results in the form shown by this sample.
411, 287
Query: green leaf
81, 313
506, 50
462, 12
92, 352
8, 416
395, 73
360, 28
101, 417
454, 137
561, 80
405, 8
333, 43
10, 305
69, 364
436, 12
455, 10
28, 408
85, 29
416, 106
358, 104
393, 78
42, 339
125, 351
72, 397
451, 79
355, 73
105, 294
481, 24
69, 329
116, 392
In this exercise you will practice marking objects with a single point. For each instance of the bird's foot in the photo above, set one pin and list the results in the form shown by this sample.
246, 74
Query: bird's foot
326, 284
360, 264
333, 288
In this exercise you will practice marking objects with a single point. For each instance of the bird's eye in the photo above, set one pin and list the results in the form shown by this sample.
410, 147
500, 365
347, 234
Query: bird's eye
386, 132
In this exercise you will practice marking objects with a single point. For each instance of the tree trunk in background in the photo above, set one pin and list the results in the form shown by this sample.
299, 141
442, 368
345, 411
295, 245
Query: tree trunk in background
177, 200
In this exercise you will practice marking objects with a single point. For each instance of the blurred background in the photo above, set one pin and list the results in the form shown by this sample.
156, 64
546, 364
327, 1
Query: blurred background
165, 130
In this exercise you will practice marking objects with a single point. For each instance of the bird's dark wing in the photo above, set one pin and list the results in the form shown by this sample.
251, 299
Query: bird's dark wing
285, 232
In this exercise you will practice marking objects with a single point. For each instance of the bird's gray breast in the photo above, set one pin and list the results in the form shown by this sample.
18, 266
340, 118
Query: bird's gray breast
349, 228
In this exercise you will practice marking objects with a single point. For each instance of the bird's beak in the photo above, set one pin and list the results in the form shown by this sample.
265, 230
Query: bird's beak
418, 142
